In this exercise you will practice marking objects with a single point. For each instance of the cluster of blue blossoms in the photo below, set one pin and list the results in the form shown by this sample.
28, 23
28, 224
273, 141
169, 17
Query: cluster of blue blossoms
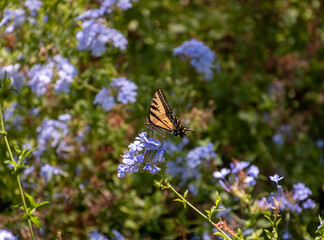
239, 177
144, 155
41, 75
126, 93
95, 34
13, 19
200, 55
52, 134
293, 201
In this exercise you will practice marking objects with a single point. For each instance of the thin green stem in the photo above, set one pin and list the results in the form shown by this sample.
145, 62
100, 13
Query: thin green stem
203, 215
17, 176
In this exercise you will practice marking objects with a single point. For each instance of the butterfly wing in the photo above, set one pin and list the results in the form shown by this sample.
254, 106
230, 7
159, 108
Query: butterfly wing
160, 111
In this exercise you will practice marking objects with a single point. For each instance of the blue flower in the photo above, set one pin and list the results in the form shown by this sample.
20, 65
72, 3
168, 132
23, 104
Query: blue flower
96, 235
104, 99
41, 76
309, 204
222, 173
320, 143
275, 178
201, 57
136, 159
193, 189
239, 166
300, 191
126, 90
50, 133
198, 154
12, 71
94, 36
12, 18
286, 235
253, 171
66, 72
64, 117
117, 235
278, 139
33, 5
91, 14
249, 180
7, 235
47, 171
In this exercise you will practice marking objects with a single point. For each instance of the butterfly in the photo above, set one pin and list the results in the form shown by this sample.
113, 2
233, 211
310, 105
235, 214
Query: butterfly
162, 117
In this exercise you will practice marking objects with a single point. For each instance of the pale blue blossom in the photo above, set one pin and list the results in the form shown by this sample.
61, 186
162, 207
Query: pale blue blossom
200, 55
12, 19
126, 90
104, 99
47, 171
96, 235
41, 76
95, 35
7, 235
66, 73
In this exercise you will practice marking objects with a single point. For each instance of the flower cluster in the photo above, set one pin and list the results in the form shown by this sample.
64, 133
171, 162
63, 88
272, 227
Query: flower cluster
126, 90
126, 93
293, 201
12, 19
197, 155
94, 34
41, 75
96, 235
47, 171
144, 155
66, 72
52, 133
12, 71
200, 55
5, 234
239, 178
33, 6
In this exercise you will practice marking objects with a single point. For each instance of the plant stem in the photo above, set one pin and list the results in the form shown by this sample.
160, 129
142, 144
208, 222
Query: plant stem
203, 215
17, 176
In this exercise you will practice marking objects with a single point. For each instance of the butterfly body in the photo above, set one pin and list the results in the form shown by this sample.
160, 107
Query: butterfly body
162, 117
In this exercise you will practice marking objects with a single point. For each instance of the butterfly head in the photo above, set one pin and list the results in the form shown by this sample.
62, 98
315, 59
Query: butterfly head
181, 131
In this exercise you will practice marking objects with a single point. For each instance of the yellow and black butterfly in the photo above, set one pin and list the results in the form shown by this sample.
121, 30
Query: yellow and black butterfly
162, 117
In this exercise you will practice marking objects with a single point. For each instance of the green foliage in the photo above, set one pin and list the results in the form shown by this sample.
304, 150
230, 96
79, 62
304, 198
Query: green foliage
270, 84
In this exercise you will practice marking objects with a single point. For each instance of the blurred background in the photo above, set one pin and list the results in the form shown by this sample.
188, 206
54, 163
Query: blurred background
259, 99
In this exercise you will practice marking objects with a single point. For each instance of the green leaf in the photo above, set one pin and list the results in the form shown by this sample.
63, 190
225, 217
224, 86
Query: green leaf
219, 209
208, 212
186, 193
269, 235
158, 184
6, 83
218, 199
269, 218
40, 204
36, 221
277, 222
31, 150
17, 148
178, 200
31, 200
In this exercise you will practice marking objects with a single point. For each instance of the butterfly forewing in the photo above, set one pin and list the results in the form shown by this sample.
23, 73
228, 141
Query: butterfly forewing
162, 117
